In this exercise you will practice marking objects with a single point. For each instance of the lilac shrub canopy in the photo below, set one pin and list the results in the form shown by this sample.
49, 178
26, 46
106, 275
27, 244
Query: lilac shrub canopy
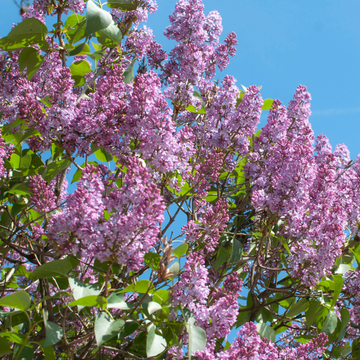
263, 260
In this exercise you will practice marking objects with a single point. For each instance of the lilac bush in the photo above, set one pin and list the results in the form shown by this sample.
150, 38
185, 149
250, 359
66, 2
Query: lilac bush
186, 232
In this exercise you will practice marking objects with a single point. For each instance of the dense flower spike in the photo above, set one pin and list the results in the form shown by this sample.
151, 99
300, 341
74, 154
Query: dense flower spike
5, 152
129, 231
177, 206
43, 197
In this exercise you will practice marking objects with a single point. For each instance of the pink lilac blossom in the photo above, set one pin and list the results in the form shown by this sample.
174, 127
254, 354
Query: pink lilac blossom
156, 55
197, 51
100, 117
225, 309
312, 195
5, 153
280, 168
34, 12
212, 219
130, 229
45, 6
138, 42
228, 124
323, 225
42, 197
191, 292
148, 120
135, 16
249, 346
299, 188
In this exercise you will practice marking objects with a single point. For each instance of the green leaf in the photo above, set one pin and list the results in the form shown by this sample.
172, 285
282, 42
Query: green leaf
129, 72
81, 49
338, 284
129, 328
19, 300
53, 268
343, 268
97, 55
75, 28
54, 334
30, 59
192, 109
80, 290
91, 300
102, 155
5, 348
155, 344
236, 252
116, 301
314, 310
27, 352
345, 318
14, 318
330, 323
49, 353
266, 331
297, 308
141, 287
152, 260
267, 104
339, 352
17, 122
152, 306
45, 100
222, 256
13, 337
78, 174
174, 268
23, 57
304, 339
15, 161
180, 250
198, 95
20, 189
55, 168
113, 33
197, 338
161, 296
78, 70
29, 133
96, 18
126, 5
106, 329
29, 32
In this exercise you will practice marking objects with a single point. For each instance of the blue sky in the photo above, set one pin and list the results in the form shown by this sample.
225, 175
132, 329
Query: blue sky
283, 44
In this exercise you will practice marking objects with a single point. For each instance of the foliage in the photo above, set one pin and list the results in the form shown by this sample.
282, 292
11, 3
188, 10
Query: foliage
97, 270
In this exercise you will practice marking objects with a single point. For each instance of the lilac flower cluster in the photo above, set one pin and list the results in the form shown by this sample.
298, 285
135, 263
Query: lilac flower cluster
229, 125
107, 222
136, 16
43, 198
5, 153
208, 226
41, 8
148, 120
249, 346
308, 193
216, 312
197, 50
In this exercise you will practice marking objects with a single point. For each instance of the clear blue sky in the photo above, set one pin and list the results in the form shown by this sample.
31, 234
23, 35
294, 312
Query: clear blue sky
284, 43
